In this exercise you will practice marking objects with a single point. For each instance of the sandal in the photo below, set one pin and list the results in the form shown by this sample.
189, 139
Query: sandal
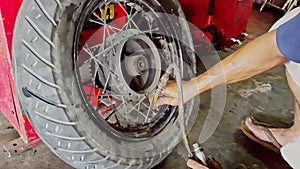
272, 145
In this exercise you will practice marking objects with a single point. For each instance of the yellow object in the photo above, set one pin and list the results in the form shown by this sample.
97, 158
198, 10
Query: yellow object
155, 98
108, 12
185, 139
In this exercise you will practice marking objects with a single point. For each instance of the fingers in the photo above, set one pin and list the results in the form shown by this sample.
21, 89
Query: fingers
195, 165
168, 96
169, 91
159, 102
164, 101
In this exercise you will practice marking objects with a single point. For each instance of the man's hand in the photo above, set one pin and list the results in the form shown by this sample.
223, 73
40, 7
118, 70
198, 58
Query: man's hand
213, 164
195, 165
169, 94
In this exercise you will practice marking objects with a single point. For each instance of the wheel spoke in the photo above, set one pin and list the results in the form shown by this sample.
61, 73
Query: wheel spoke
134, 107
148, 111
95, 59
150, 31
106, 83
131, 20
114, 29
125, 103
130, 13
125, 27
141, 113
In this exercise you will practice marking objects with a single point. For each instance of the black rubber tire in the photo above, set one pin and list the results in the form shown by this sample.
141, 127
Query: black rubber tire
47, 89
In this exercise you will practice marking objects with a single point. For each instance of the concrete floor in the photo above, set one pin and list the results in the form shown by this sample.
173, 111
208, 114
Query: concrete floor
228, 144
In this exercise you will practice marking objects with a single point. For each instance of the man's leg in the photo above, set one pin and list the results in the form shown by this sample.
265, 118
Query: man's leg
290, 151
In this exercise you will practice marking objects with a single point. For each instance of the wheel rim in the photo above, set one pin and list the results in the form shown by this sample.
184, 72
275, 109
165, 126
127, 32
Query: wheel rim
123, 60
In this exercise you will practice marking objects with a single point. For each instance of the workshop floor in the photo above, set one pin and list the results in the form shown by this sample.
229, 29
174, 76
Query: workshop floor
228, 144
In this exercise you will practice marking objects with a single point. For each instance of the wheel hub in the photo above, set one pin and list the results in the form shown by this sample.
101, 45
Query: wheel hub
136, 65
140, 64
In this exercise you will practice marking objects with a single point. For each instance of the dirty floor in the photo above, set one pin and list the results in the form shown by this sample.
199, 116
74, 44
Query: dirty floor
228, 144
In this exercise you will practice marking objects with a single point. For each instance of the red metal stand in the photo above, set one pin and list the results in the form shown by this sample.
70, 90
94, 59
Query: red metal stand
9, 103
222, 19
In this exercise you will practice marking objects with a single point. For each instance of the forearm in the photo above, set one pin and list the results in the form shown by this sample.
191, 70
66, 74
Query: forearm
256, 57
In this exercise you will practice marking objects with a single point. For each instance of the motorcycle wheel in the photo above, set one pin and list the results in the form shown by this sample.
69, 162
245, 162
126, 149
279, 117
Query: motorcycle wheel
84, 72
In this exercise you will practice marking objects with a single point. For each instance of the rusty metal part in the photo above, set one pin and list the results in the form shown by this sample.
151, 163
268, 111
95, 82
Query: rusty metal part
18, 146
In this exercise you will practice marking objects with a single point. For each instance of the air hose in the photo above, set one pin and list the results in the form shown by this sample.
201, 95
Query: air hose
161, 85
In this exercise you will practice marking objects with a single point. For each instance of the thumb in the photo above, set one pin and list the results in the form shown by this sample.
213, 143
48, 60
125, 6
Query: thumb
161, 101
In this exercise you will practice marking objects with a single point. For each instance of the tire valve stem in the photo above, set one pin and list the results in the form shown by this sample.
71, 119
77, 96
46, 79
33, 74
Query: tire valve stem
162, 83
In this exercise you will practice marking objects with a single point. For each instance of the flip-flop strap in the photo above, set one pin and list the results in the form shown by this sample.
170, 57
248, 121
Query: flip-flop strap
271, 137
256, 122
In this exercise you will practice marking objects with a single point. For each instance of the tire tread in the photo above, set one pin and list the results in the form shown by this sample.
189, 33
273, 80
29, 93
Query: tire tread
38, 31
44, 11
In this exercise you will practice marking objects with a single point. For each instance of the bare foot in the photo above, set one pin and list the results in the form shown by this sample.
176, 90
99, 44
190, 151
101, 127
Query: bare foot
283, 136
